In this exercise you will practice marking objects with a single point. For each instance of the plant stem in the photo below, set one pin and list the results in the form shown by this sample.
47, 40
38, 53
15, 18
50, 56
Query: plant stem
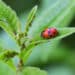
22, 47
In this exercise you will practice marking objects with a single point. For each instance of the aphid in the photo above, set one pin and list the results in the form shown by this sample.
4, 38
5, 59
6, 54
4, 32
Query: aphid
49, 33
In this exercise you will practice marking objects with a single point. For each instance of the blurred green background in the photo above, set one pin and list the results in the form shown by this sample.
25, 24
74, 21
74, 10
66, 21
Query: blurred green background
22, 8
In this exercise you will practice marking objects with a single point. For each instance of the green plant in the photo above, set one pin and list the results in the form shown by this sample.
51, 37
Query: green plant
31, 39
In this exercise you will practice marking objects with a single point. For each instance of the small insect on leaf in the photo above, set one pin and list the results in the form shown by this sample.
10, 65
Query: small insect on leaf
49, 33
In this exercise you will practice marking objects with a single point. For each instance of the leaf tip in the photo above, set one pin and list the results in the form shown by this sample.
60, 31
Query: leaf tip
35, 7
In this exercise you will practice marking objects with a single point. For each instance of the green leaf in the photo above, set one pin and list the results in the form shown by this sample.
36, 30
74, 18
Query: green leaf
63, 32
11, 64
33, 71
5, 69
53, 51
53, 18
8, 15
3, 57
7, 54
7, 28
30, 18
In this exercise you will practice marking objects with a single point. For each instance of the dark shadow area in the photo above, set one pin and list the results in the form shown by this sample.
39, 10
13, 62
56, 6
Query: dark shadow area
69, 41
49, 63
72, 24
53, 65
1, 30
22, 5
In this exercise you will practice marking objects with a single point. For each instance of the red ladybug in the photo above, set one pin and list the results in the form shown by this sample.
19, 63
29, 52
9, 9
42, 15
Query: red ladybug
49, 33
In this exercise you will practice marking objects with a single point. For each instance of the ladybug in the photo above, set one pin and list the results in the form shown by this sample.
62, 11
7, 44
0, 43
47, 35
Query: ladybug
49, 33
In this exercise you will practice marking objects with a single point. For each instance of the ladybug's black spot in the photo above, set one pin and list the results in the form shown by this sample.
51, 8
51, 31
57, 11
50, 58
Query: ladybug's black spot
51, 35
49, 32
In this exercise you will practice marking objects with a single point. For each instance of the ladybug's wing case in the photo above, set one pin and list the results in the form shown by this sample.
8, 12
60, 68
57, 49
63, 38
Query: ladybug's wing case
49, 33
